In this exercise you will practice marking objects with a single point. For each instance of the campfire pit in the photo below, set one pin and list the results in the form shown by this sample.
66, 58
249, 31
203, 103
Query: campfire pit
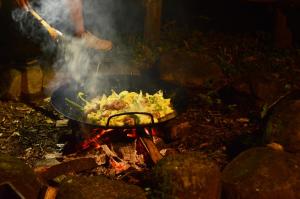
121, 148
141, 150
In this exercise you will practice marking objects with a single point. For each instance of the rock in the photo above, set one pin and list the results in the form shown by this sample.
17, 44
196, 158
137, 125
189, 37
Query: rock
267, 89
46, 163
189, 69
264, 87
283, 125
32, 79
262, 173
77, 165
48, 79
98, 187
11, 84
15, 84
20, 176
190, 175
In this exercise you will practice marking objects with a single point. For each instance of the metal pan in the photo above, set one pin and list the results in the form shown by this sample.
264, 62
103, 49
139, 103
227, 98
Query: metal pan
105, 84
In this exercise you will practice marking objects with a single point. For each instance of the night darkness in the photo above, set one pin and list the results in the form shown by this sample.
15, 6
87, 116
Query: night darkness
150, 99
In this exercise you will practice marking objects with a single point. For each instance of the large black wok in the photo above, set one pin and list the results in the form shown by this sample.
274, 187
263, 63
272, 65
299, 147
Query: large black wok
118, 83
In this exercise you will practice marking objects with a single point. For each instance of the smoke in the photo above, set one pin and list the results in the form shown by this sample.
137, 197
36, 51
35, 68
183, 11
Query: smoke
55, 12
73, 59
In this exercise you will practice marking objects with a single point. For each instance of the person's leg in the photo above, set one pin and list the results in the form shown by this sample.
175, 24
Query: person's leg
91, 40
22, 3
76, 16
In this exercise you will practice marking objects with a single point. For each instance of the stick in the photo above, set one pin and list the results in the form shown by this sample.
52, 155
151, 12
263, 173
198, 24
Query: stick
52, 31
152, 149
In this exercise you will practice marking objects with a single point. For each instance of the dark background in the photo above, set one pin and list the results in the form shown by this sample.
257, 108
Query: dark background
128, 17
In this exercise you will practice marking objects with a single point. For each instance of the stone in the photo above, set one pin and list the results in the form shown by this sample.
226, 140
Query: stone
32, 79
20, 176
11, 84
14, 91
189, 69
49, 172
262, 173
267, 89
48, 79
189, 175
283, 125
98, 187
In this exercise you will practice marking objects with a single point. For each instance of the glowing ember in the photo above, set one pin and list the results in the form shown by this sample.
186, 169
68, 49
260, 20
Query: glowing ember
98, 134
101, 138
94, 141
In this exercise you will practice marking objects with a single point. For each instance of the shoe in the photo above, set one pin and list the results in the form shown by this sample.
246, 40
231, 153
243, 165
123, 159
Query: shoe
96, 43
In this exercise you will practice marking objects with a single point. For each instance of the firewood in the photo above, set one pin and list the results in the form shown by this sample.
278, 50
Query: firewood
51, 193
152, 150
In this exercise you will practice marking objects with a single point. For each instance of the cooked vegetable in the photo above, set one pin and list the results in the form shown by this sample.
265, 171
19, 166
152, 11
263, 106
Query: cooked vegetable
99, 109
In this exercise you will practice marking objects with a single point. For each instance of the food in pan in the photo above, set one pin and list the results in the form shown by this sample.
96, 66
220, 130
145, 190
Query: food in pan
99, 109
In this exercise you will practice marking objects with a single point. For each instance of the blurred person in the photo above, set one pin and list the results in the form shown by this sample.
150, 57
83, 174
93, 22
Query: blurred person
76, 16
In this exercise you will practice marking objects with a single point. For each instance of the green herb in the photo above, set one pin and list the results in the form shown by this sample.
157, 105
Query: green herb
80, 96
74, 104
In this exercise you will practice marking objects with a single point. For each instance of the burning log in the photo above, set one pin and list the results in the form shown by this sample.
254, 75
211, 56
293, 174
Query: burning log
117, 163
151, 148
131, 157
129, 153
51, 193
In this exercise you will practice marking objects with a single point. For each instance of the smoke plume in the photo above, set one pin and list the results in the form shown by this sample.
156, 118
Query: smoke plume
73, 57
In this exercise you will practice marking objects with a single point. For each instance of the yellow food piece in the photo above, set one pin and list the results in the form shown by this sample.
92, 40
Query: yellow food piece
99, 109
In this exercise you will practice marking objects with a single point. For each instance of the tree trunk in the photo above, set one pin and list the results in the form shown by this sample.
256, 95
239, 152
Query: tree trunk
152, 21
283, 35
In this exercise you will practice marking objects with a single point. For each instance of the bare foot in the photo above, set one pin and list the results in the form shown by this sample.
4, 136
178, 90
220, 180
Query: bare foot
96, 43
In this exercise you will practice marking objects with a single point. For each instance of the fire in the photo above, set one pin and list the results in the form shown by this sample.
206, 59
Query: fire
140, 151
95, 140
98, 133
